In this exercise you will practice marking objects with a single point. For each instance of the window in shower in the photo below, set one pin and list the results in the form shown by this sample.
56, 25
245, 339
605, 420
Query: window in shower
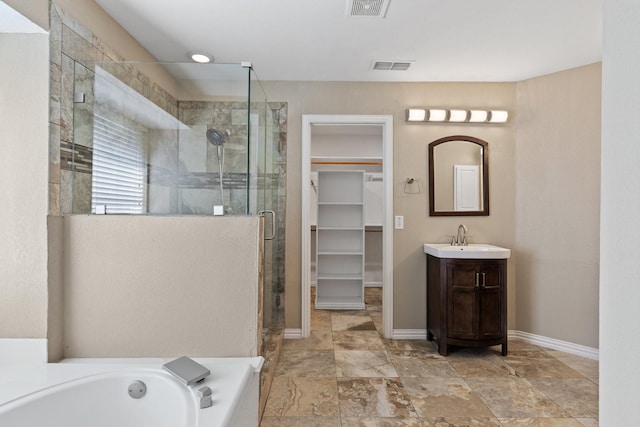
119, 169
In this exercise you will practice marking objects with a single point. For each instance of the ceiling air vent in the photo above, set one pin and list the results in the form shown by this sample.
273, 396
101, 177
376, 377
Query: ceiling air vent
391, 65
367, 8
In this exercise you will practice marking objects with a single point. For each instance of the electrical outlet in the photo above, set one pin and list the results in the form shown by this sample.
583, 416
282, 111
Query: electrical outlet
399, 222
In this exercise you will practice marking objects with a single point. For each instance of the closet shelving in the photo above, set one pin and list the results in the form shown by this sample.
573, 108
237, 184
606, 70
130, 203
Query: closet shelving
340, 240
342, 160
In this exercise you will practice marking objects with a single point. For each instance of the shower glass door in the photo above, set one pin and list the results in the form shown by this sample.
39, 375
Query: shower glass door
267, 163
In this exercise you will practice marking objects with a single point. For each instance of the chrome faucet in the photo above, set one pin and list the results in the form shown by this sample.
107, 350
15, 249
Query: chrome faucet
187, 370
461, 239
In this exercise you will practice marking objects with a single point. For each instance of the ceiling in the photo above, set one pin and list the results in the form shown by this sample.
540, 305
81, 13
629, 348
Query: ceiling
445, 40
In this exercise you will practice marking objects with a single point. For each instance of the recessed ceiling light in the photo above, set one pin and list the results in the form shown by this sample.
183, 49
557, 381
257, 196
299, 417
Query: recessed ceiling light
200, 57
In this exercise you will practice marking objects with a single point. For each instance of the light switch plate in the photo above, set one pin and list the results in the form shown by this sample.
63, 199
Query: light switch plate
399, 222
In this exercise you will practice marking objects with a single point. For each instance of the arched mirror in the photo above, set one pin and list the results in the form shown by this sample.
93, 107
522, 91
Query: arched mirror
458, 176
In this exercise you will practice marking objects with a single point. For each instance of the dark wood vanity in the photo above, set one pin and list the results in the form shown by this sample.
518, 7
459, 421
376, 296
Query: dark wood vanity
467, 302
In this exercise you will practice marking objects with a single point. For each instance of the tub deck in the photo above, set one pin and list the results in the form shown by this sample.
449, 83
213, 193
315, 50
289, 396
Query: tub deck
234, 381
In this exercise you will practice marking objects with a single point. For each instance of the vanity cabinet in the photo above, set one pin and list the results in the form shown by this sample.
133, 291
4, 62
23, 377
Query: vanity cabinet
467, 302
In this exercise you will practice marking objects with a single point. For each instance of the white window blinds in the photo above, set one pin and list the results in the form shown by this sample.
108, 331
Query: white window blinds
119, 168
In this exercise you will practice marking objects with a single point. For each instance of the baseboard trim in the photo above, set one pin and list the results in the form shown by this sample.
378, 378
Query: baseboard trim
555, 344
409, 334
292, 334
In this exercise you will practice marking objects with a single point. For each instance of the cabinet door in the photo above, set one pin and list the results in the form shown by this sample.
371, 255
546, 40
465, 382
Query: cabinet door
462, 301
491, 301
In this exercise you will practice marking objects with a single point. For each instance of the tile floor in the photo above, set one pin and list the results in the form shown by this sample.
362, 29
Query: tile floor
346, 374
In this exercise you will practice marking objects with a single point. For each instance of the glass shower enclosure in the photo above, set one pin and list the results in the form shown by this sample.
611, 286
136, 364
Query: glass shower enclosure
179, 139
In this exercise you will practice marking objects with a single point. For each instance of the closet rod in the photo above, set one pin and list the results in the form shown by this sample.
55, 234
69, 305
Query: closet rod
346, 163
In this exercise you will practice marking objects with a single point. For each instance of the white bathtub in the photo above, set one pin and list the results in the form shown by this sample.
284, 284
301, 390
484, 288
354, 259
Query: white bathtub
94, 392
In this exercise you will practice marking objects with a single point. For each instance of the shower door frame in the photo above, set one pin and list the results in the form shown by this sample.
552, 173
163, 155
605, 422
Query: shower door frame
386, 121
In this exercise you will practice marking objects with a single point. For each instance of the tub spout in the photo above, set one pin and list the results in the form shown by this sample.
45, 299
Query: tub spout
187, 370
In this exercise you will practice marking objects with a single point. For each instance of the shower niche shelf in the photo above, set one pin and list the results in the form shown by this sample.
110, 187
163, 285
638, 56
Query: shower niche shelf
340, 240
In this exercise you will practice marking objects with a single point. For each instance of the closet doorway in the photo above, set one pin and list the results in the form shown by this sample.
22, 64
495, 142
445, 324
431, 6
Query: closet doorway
356, 148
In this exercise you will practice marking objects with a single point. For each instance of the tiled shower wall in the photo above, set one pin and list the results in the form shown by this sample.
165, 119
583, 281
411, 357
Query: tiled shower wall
179, 181
183, 167
73, 46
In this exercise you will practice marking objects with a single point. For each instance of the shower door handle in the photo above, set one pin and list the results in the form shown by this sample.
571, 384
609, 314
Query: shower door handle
273, 222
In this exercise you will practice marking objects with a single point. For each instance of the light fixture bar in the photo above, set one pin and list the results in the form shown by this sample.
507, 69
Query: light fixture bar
456, 115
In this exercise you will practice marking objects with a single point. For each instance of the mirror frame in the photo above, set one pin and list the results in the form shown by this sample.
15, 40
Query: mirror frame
485, 177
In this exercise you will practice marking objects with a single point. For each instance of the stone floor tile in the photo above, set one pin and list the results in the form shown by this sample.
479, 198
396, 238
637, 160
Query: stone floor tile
351, 322
577, 396
320, 320
587, 367
444, 397
308, 421
307, 363
514, 398
381, 422
317, 340
460, 422
417, 364
539, 364
588, 422
373, 397
539, 422
480, 368
302, 397
357, 340
364, 363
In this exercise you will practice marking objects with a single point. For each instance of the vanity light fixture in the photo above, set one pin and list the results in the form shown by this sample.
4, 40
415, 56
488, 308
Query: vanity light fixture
478, 116
498, 116
437, 115
456, 115
200, 57
416, 115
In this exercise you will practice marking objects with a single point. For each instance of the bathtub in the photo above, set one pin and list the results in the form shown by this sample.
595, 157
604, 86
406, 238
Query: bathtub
94, 392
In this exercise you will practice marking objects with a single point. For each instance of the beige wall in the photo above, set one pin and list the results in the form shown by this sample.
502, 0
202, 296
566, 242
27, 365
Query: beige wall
161, 286
101, 25
557, 205
36, 10
24, 85
55, 312
410, 160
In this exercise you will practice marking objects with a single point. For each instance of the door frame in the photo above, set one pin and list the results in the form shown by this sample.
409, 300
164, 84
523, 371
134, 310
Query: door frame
386, 121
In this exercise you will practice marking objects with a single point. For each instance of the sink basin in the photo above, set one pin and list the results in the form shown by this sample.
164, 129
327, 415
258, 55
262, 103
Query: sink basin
472, 251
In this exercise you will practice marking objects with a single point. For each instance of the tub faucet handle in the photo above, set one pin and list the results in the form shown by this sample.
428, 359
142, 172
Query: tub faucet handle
204, 392
206, 402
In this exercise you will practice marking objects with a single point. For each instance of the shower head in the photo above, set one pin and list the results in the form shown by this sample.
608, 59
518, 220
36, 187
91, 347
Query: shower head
217, 137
